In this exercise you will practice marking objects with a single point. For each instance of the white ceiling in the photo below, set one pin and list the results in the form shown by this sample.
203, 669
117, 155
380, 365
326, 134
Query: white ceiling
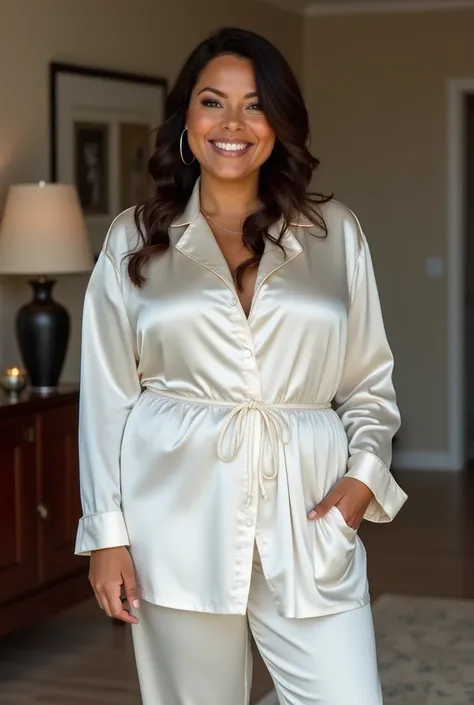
338, 6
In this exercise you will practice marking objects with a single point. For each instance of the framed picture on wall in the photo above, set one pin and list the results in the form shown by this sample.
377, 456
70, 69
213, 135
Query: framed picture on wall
103, 126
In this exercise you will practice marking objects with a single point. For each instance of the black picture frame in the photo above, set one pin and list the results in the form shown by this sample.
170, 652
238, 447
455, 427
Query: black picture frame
66, 139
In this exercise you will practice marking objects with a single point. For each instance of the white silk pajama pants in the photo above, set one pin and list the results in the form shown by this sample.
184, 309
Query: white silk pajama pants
195, 658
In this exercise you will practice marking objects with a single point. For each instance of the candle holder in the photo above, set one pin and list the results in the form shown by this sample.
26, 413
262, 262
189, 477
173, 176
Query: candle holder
13, 380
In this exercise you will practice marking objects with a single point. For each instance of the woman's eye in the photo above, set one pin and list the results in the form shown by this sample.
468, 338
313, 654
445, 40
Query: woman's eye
210, 103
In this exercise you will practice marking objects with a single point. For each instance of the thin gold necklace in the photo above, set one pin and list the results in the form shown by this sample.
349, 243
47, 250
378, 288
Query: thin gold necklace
232, 232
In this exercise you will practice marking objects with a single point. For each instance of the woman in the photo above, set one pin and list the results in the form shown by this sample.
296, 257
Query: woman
237, 407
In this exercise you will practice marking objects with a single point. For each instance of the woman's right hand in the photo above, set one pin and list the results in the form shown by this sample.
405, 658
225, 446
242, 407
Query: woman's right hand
110, 568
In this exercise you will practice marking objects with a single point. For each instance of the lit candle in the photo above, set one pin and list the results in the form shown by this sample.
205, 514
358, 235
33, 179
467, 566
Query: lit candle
13, 381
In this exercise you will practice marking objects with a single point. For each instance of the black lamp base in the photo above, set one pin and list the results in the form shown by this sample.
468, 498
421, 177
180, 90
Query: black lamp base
42, 328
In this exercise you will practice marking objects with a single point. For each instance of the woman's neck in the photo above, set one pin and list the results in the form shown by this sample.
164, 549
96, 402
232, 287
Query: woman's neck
228, 198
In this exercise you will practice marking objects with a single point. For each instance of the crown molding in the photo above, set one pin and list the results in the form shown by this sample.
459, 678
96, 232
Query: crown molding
330, 7
300, 8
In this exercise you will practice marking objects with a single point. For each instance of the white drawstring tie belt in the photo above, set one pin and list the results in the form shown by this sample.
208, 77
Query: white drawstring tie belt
274, 428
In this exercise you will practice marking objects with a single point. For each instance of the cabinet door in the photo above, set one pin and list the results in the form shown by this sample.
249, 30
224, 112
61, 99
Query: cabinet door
18, 534
59, 499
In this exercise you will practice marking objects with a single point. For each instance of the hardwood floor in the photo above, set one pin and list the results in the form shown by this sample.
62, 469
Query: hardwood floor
80, 658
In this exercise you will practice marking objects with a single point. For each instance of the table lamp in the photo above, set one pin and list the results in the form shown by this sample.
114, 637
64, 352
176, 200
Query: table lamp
43, 233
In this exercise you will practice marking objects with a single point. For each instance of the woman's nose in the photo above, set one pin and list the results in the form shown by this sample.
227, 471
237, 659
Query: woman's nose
232, 121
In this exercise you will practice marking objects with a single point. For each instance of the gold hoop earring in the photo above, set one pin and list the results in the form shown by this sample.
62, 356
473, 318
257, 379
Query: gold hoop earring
181, 150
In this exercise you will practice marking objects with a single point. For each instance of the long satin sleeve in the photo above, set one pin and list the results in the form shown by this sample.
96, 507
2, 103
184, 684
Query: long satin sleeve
365, 399
109, 388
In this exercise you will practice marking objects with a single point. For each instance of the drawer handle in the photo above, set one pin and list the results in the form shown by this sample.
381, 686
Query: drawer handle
43, 511
29, 434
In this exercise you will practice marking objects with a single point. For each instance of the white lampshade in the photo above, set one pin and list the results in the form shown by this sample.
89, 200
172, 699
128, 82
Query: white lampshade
43, 231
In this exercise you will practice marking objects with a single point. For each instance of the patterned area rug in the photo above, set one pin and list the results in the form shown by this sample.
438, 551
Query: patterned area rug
425, 650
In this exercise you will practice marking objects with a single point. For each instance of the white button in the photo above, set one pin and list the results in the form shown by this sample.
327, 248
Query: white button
247, 354
249, 522
232, 301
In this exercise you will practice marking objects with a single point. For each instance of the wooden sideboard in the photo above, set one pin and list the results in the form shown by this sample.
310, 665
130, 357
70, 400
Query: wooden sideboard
39, 508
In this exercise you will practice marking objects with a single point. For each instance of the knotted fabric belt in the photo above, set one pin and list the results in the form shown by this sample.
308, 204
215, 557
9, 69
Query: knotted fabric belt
274, 428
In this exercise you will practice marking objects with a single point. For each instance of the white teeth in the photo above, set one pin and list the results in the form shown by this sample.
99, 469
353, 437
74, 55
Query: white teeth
231, 147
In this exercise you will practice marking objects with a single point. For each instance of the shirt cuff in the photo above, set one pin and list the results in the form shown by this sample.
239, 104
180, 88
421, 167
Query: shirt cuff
97, 531
388, 498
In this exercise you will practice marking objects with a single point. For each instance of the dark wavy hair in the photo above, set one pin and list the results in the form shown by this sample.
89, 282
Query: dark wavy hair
284, 178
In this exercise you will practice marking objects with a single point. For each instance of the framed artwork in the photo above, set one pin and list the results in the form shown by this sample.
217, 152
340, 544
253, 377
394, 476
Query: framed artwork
103, 126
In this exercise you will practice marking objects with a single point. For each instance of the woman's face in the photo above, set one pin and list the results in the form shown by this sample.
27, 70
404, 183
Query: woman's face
227, 130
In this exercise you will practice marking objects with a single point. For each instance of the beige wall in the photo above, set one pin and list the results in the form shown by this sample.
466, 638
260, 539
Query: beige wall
376, 90
151, 36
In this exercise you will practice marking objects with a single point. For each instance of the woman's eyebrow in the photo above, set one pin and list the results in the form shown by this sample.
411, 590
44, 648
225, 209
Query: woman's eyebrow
253, 94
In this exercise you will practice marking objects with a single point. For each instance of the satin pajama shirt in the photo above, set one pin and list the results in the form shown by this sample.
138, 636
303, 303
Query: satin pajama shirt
203, 431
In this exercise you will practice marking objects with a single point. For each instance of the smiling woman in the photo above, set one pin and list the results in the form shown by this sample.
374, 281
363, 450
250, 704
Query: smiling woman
228, 123
235, 96
237, 406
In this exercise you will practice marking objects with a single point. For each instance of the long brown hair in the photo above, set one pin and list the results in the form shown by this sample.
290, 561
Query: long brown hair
284, 177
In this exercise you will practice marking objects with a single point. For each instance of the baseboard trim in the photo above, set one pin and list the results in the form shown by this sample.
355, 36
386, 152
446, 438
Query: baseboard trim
269, 699
420, 460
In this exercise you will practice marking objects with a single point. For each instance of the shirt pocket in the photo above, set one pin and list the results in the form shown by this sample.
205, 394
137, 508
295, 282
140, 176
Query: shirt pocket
335, 544
339, 517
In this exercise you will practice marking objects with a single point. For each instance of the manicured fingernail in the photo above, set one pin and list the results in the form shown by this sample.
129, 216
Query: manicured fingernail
312, 514
136, 604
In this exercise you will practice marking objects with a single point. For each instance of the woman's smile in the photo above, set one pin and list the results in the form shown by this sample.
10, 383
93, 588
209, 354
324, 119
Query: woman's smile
231, 148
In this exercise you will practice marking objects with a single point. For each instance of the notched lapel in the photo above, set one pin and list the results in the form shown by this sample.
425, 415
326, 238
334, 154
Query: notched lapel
199, 244
273, 257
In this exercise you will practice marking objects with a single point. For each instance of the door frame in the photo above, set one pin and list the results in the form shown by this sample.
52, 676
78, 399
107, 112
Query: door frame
458, 89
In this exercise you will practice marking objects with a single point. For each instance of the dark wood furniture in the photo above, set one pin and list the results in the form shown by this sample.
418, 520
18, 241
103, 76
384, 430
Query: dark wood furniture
39, 508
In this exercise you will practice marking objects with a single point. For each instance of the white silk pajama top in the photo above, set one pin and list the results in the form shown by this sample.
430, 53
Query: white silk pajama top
203, 432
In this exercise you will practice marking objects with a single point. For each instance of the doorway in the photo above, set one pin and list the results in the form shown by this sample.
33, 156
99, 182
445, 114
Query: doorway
469, 276
460, 271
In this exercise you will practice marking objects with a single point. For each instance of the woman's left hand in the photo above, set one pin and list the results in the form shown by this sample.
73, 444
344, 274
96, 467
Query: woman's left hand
350, 496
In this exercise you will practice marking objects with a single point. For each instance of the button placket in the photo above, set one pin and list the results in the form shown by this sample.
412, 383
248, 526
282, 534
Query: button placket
250, 369
244, 337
